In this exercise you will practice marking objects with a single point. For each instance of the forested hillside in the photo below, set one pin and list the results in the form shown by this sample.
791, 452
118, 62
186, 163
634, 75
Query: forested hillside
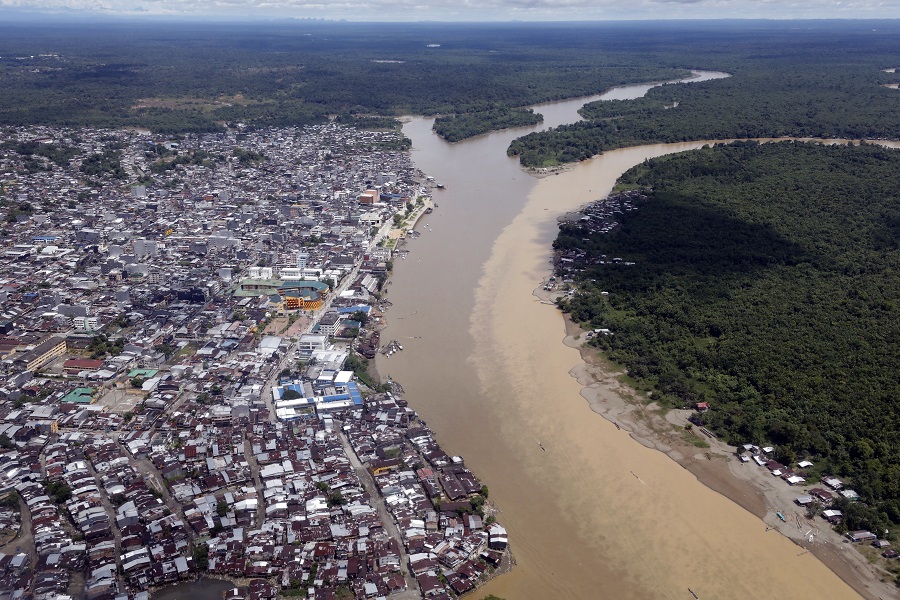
766, 281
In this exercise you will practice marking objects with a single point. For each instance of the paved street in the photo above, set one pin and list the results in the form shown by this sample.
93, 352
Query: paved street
386, 518
257, 483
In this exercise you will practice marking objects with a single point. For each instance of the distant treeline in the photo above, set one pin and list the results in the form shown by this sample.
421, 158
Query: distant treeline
459, 127
766, 281
799, 84
797, 78
189, 78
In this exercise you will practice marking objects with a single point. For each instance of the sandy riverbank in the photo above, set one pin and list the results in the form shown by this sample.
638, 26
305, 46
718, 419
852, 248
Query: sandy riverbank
628, 520
588, 509
717, 467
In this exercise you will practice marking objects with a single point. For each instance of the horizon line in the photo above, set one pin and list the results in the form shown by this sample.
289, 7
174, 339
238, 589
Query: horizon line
87, 15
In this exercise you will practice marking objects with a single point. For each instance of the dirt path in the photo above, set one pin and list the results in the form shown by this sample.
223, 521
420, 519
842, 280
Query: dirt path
257, 483
24, 541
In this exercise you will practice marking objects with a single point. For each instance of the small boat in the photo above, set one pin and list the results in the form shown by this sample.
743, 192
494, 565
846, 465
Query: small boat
696, 597
781, 516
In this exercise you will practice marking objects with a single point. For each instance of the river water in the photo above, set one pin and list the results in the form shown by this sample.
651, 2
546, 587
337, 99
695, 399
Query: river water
595, 514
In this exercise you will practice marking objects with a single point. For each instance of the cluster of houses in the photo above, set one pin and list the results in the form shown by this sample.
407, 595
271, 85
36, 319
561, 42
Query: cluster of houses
602, 216
45, 569
151, 429
835, 488
281, 502
312, 527
437, 503
10, 519
206, 237
823, 496
762, 456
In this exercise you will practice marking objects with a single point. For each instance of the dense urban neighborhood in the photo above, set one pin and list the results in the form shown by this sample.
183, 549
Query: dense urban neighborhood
184, 326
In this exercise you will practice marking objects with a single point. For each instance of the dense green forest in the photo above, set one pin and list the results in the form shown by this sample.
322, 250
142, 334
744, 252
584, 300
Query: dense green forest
178, 77
812, 83
455, 128
798, 78
765, 281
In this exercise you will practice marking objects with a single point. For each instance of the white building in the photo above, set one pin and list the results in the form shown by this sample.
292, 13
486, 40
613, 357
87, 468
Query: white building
310, 342
260, 272
370, 219
86, 323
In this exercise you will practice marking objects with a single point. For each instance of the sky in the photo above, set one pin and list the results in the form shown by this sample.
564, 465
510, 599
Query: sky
465, 10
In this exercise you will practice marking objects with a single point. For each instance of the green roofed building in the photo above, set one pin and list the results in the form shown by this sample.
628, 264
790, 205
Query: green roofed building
258, 287
288, 295
80, 395
143, 373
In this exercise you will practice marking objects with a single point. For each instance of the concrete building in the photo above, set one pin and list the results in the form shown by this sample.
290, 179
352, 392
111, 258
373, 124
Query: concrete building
48, 349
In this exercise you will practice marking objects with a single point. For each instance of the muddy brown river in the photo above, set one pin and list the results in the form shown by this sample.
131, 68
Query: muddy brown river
594, 514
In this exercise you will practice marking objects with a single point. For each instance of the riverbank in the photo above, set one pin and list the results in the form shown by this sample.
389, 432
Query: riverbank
653, 528
398, 233
714, 463
587, 508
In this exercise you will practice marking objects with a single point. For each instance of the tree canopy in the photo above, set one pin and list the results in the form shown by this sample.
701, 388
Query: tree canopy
817, 83
763, 279
455, 128
196, 77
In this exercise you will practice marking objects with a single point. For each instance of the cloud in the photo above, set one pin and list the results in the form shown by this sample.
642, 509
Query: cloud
473, 10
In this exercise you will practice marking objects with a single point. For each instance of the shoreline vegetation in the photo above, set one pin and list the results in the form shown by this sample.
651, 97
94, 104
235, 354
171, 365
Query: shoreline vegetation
607, 390
802, 99
455, 128
459, 127
652, 398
